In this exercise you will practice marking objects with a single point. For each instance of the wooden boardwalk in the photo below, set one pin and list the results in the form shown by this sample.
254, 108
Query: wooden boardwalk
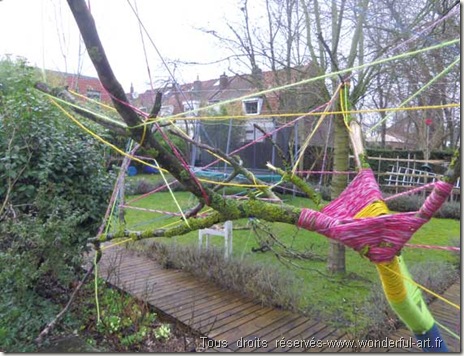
231, 322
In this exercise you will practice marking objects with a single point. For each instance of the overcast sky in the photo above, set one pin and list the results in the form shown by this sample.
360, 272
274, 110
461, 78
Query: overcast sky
45, 32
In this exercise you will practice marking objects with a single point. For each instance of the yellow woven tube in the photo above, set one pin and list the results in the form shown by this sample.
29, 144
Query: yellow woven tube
393, 285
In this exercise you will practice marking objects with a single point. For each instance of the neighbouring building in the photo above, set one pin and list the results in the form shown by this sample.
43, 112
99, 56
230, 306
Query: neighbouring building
220, 98
90, 87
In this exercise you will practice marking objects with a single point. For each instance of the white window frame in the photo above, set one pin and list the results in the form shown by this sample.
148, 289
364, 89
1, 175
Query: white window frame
246, 103
93, 94
189, 106
166, 110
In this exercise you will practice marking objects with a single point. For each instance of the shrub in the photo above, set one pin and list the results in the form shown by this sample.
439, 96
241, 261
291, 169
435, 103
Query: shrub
144, 186
449, 210
53, 193
266, 284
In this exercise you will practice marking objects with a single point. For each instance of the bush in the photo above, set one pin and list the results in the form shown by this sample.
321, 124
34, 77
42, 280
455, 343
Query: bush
144, 186
265, 284
406, 203
53, 193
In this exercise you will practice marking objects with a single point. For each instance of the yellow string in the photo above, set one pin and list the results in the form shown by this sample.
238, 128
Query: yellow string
266, 116
116, 244
161, 170
395, 291
92, 100
317, 113
113, 121
231, 184
176, 222
143, 135
422, 287
217, 156
376, 208
344, 106
174, 197
316, 127
324, 76
393, 287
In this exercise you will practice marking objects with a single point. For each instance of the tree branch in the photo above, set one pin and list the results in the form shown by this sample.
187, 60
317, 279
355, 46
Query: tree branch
234, 162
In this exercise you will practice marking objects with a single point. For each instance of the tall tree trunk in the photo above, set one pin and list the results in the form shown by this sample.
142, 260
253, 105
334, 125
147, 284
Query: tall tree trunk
336, 256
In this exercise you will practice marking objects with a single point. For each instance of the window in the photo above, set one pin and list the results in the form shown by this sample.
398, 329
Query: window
191, 107
216, 108
93, 94
166, 110
252, 106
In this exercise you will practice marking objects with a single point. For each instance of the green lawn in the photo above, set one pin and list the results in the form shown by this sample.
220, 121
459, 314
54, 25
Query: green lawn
335, 295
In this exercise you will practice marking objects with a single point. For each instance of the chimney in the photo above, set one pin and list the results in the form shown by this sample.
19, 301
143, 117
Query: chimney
196, 90
223, 81
257, 75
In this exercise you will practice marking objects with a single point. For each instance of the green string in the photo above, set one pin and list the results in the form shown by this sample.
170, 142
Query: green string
309, 80
96, 290
449, 331
445, 71
129, 146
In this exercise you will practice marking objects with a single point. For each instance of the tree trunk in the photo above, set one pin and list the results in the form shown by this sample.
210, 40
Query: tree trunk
336, 256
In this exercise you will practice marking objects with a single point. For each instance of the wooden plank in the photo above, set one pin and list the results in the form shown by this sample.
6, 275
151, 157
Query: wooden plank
254, 337
228, 330
274, 331
190, 295
214, 301
168, 287
251, 323
225, 317
317, 332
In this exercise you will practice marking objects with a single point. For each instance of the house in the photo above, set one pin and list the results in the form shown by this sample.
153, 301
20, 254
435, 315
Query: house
90, 87
401, 135
221, 97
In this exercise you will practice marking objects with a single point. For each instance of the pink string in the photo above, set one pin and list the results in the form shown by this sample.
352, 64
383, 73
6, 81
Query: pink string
270, 133
149, 193
429, 27
410, 191
435, 247
150, 210
326, 172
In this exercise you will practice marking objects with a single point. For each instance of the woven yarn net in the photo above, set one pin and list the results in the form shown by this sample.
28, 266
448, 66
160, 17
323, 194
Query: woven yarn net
379, 238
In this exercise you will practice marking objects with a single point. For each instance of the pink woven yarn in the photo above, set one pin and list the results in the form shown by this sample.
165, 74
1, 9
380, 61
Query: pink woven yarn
361, 192
435, 200
379, 238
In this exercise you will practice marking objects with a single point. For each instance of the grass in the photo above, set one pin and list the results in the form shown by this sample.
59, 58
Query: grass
338, 298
